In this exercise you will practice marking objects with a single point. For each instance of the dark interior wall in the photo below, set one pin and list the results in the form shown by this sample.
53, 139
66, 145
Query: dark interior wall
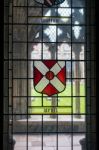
91, 76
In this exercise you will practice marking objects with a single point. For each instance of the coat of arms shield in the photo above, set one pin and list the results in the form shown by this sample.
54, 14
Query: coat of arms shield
50, 2
49, 76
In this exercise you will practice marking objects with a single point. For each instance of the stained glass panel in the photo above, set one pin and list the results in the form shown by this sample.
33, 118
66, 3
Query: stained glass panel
47, 77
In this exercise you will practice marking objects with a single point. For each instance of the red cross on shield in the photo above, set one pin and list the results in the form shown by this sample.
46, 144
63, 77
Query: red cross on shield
49, 76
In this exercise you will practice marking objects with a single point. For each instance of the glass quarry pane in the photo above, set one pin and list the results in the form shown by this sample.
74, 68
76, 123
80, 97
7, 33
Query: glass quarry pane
32, 3
34, 36
78, 49
67, 91
64, 20
5, 108
19, 50
36, 101
78, 33
5, 87
64, 51
6, 64
20, 3
64, 33
19, 33
47, 101
65, 128
76, 141
33, 93
36, 117
6, 33
50, 127
66, 3
6, 45
49, 51
79, 87
64, 101
46, 54
49, 33
64, 12
33, 20
78, 3
78, 16
23, 72
78, 69
46, 20
50, 141
68, 72
82, 126
36, 13
82, 104
20, 126
23, 11
18, 103
36, 52
21, 83
21, 141
35, 141
64, 141
30, 69
49, 12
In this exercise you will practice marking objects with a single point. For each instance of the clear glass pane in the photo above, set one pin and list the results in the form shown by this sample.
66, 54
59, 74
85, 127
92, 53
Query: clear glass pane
78, 16
79, 87
64, 51
78, 33
78, 49
64, 33
19, 50
16, 69
19, 33
78, 3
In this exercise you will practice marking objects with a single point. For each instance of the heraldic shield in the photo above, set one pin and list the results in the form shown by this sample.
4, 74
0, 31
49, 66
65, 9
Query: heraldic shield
49, 76
50, 2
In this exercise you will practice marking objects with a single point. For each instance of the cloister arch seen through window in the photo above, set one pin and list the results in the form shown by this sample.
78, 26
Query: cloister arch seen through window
49, 65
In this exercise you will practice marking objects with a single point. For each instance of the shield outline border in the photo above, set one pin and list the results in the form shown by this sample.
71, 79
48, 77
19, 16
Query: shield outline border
34, 77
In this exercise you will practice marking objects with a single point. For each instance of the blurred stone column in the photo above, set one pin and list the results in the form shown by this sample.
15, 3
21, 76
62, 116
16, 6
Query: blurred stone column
77, 86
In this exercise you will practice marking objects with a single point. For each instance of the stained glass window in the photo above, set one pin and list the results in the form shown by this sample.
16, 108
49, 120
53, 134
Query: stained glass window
48, 73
